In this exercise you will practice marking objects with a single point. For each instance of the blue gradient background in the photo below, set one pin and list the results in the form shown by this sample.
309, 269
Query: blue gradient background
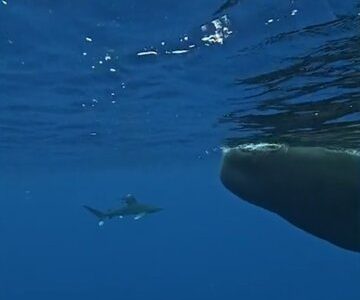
161, 143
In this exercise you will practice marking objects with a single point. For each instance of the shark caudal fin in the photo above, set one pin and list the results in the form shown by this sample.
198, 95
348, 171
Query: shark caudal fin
100, 215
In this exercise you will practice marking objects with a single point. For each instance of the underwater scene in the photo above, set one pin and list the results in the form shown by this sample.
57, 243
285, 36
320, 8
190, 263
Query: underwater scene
161, 149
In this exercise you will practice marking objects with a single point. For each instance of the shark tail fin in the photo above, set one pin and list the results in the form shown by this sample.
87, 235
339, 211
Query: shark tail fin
100, 215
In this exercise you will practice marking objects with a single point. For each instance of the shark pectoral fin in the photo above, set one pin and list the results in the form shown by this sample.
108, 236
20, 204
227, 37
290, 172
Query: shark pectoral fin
101, 223
139, 216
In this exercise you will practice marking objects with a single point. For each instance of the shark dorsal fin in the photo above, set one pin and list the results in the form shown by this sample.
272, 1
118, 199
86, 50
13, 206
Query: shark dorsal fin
129, 199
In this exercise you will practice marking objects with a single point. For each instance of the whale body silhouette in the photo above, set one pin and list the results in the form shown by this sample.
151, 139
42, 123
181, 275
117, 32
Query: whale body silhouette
314, 188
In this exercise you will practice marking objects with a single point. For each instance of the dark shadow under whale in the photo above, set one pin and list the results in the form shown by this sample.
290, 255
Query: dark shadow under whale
314, 188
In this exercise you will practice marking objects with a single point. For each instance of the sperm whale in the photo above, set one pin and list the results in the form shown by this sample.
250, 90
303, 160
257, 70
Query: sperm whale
314, 188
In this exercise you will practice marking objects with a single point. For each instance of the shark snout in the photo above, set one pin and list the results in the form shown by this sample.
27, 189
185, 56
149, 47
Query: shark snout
156, 209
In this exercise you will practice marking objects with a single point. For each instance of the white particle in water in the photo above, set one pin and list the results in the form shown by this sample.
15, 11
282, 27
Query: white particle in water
84, 53
294, 12
92, 133
4, 2
88, 39
10, 42
107, 57
112, 70
186, 38
100, 62
162, 43
95, 100
270, 21
112, 94
83, 104
92, 67
113, 102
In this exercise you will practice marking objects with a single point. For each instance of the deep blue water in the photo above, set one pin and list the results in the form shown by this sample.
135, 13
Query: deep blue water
102, 98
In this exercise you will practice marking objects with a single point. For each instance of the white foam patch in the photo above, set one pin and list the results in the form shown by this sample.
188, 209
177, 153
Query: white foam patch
221, 32
347, 151
264, 147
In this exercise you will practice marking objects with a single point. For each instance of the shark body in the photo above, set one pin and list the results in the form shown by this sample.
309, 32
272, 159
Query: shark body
131, 208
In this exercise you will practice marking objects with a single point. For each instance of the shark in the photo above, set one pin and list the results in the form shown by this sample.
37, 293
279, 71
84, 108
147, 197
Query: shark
131, 207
